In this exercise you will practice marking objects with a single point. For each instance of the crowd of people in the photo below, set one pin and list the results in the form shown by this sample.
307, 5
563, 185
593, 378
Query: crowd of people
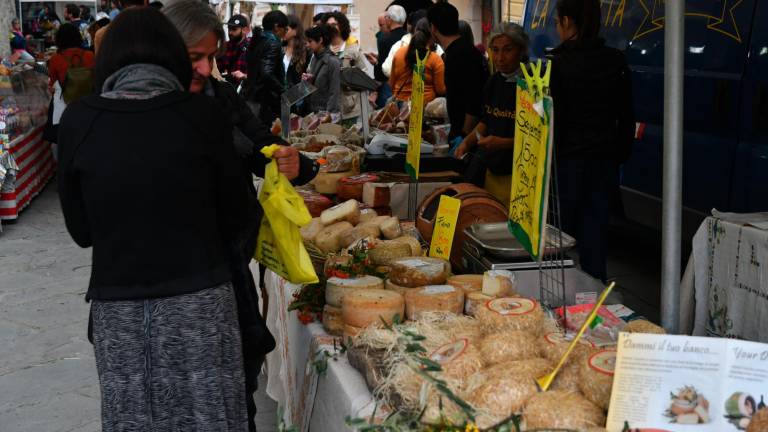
155, 170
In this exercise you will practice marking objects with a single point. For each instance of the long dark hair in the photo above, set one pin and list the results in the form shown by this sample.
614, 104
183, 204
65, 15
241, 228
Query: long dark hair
322, 34
68, 36
298, 44
420, 42
142, 35
344, 28
586, 16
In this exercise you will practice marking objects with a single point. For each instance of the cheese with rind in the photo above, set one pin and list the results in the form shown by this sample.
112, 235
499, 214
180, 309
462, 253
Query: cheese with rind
412, 242
388, 284
332, 322
361, 231
346, 211
327, 183
433, 298
499, 283
336, 288
350, 332
361, 308
391, 229
414, 272
367, 215
384, 252
473, 301
329, 238
467, 282
312, 229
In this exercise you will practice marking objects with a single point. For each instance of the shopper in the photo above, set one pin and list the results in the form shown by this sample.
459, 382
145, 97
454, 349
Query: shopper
594, 127
69, 54
265, 81
85, 15
19, 51
202, 34
491, 144
324, 71
347, 48
297, 56
464, 74
394, 24
72, 16
126, 4
114, 9
102, 20
411, 21
318, 19
233, 64
146, 179
421, 45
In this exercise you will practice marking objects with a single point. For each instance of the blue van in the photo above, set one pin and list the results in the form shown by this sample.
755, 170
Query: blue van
725, 151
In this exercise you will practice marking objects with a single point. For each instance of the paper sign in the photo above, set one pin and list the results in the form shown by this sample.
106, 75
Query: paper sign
413, 156
532, 159
445, 226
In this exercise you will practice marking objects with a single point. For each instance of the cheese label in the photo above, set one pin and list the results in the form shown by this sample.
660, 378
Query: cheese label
511, 306
603, 361
450, 351
557, 337
445, 227
438, 289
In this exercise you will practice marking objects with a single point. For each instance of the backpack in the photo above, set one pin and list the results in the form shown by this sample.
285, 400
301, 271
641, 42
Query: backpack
78, 82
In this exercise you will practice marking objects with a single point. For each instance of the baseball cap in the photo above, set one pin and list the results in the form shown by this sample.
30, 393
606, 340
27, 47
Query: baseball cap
238, 21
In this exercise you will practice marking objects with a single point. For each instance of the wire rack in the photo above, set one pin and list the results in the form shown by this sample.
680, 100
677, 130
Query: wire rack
552, 264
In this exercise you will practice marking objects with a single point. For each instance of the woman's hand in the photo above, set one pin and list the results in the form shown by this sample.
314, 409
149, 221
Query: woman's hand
307, 77
462, 149
493, 142
287, 159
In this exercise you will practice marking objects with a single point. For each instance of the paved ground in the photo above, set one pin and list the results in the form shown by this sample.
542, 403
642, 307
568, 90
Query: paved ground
48, 379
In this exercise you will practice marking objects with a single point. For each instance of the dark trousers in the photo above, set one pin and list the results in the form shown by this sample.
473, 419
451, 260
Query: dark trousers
585, 188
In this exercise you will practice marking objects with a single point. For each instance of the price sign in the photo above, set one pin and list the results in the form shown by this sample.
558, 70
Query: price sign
445, 227
413, 155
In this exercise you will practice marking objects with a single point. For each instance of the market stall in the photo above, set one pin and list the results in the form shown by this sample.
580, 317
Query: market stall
26, 161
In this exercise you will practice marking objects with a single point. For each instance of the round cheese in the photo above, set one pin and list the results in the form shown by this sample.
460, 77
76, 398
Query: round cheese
419, 271
556, 409
332, 322
596, 377
475, 300
511, 313
508, 345
433, 298
388, 284
467, 283
350, 333
311, 230
352, 187
336, 288
361, 308
315, 202
386, 251
391, 229
347, 238
327, 183
367, 215
499, 283
346, 211
500, 392
459, 359
329, 238
413, 242
554, 345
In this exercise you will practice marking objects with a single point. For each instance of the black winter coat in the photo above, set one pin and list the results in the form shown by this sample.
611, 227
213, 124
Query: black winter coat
266, 75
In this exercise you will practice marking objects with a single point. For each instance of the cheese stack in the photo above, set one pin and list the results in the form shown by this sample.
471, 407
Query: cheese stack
475, 300
467, 283
362, 308
433, 298
335, 290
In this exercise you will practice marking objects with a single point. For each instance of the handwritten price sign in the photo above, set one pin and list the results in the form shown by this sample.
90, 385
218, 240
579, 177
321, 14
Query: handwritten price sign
531, 163
445, 227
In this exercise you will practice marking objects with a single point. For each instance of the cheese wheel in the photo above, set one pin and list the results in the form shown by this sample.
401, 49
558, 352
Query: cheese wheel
388, 284
500, 392
332, 322
419, 271
554, 346
347, 211
499, 283
376, 194
327, 183
352, 187
384, 252
467, 283
473, 301
510, 313
556, 409
367, 215
643, 326
336, 288
433, 298
311, 230
391, 229
350, 332
596, 377
329, 238
315, 201
508, 345
459, 359
361, 231
361, 308
413, 242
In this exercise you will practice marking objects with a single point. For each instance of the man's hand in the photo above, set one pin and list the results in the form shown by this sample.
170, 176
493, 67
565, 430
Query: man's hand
373, 58
462, 149
287, 161
238, 75
493, 142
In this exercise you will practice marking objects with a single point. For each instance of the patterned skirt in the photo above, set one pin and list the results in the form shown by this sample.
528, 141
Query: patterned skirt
170, 364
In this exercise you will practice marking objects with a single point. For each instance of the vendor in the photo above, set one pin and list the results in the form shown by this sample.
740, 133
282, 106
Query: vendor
19, 51
489, 147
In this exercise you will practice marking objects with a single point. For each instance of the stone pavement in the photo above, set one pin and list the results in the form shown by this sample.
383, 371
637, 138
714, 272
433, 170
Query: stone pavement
48, 380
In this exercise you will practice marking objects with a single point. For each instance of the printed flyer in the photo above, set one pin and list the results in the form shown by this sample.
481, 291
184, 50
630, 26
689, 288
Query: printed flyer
687, 384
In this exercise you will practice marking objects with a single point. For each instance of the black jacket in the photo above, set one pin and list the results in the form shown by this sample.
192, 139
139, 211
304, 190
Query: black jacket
266, 76
592, 91
150, 185
383, 46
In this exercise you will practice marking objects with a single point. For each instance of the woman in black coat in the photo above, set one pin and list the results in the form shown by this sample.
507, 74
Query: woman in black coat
594, 127
146, 179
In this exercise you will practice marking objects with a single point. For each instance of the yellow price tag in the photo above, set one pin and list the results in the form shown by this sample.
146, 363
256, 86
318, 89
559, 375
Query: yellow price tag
445, 227
413, 156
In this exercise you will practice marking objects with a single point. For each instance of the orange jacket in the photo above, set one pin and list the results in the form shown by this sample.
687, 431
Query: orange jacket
401, 77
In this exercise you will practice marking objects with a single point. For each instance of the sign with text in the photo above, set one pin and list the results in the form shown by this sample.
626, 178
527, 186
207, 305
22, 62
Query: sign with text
445, 227
532, 159
681, 383
413, 156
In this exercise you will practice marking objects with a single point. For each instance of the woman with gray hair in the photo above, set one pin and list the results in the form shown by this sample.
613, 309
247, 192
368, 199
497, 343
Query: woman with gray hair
491, 144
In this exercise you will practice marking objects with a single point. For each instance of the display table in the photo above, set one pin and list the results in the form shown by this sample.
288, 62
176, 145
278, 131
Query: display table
729, 265
310, 401
36, 167
428, 163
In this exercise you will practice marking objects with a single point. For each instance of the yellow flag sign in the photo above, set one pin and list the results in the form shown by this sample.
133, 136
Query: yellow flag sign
531, 166
445, 227
413, 155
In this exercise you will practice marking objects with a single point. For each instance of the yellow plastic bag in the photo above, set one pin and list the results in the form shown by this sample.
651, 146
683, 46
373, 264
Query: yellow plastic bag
280, 247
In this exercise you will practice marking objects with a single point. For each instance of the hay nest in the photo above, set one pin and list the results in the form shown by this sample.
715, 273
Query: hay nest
510, 313
561, 409
509, 345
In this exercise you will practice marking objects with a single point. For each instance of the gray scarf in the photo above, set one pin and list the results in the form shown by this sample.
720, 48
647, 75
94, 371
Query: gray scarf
140, 81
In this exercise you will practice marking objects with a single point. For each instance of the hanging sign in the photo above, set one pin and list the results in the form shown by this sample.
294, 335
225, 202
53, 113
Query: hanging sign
445, 227
413, 155
532, 159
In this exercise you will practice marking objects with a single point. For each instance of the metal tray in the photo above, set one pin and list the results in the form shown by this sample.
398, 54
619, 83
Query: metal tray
495, 239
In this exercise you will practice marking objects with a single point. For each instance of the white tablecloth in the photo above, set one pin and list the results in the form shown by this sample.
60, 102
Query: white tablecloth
730, 278
310, 402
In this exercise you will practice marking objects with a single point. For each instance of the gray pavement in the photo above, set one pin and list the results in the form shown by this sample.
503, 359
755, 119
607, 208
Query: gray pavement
48, 380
